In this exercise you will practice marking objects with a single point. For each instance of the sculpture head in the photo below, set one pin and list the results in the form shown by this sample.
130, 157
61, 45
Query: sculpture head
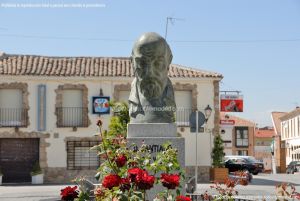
151, 57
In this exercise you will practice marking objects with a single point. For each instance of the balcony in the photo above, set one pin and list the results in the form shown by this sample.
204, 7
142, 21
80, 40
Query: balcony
182, 117
13, 117
72, 117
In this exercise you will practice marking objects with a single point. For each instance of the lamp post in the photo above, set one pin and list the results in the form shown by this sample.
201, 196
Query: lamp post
207, 113
273, 162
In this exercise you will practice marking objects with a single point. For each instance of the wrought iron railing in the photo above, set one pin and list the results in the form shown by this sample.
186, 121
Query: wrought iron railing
80, 156
72, 116
13, 117
182, 116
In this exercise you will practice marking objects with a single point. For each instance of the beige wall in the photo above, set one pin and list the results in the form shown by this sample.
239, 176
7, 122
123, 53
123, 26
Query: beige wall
56, 152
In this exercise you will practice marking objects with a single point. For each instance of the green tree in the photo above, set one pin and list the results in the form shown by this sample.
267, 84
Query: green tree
218, 152
120, 119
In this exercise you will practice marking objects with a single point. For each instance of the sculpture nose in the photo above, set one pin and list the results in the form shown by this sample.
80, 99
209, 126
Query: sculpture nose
149, 70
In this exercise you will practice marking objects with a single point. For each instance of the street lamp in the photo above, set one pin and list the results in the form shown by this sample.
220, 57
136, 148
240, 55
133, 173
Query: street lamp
207, 113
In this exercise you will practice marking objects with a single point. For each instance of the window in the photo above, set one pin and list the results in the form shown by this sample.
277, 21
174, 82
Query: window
80, 156
242, 152
72, 106
12, 112
242, 138
183, 101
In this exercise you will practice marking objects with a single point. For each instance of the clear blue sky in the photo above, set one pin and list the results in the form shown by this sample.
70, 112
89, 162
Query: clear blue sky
255, 44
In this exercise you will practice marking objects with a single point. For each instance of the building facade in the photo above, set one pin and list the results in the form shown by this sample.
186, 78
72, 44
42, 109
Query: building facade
46, 112
290, 134
279, 146
263, 146
237, 134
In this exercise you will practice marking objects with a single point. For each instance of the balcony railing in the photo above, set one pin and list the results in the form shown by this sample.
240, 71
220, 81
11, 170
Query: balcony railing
182, 116
13, 117
72, 116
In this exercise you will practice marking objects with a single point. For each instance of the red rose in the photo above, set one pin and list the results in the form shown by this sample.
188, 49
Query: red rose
183, 198
133, 173
125, 184
69, 193
145, 181
111, 181
170, 181
121, 160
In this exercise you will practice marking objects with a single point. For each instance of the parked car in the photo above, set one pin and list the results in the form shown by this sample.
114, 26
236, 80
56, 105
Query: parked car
234, 165
293, 167
259, 166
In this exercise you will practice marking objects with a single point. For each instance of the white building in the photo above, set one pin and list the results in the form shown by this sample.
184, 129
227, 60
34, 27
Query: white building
46, 112
290, 133
237, 134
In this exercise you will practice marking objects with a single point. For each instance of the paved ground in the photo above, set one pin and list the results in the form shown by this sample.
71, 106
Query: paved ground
263, 185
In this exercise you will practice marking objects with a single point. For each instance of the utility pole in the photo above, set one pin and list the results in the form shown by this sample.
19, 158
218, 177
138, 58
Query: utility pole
172, 20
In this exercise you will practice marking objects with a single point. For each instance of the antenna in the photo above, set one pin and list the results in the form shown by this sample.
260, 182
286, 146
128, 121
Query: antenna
172, 20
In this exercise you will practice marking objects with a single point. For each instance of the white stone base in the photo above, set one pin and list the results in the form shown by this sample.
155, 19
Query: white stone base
37, 179
139, 133
152, 130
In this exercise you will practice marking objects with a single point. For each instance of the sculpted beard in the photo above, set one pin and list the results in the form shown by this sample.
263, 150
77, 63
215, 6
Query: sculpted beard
151, 87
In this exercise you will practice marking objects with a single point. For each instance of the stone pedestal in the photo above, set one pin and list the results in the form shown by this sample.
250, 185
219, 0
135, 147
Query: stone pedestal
155, 135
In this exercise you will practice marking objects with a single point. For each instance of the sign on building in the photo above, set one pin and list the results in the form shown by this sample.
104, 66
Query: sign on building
232, 103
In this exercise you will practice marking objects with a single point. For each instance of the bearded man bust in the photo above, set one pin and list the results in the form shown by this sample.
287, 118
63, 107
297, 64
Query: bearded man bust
151, 98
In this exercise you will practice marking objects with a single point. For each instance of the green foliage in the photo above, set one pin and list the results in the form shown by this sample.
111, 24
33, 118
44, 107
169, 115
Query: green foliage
118, 123
36, 169
218, 152
83, 196
114, 144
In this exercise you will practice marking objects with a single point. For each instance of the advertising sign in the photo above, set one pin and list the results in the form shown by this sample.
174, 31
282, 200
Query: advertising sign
227, 122
101, 105
232, 103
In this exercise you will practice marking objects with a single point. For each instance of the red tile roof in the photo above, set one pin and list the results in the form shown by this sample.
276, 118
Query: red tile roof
276, 121
238, 121
264, 133
84, 66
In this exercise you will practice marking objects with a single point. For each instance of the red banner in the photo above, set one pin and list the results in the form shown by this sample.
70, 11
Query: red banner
232, 103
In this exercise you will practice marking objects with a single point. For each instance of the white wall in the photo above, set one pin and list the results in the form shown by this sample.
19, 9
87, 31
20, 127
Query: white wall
56, 152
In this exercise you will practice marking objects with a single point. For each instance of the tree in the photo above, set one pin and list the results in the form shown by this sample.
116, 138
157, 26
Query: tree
118, 123
218, 152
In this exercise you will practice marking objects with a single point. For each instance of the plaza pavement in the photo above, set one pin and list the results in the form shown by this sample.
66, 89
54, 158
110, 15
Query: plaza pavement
262, 186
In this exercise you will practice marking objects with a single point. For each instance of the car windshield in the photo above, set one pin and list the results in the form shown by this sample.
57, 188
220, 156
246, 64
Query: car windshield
251, 160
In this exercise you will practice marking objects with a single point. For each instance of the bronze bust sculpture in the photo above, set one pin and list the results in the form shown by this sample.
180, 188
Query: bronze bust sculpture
151, 98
